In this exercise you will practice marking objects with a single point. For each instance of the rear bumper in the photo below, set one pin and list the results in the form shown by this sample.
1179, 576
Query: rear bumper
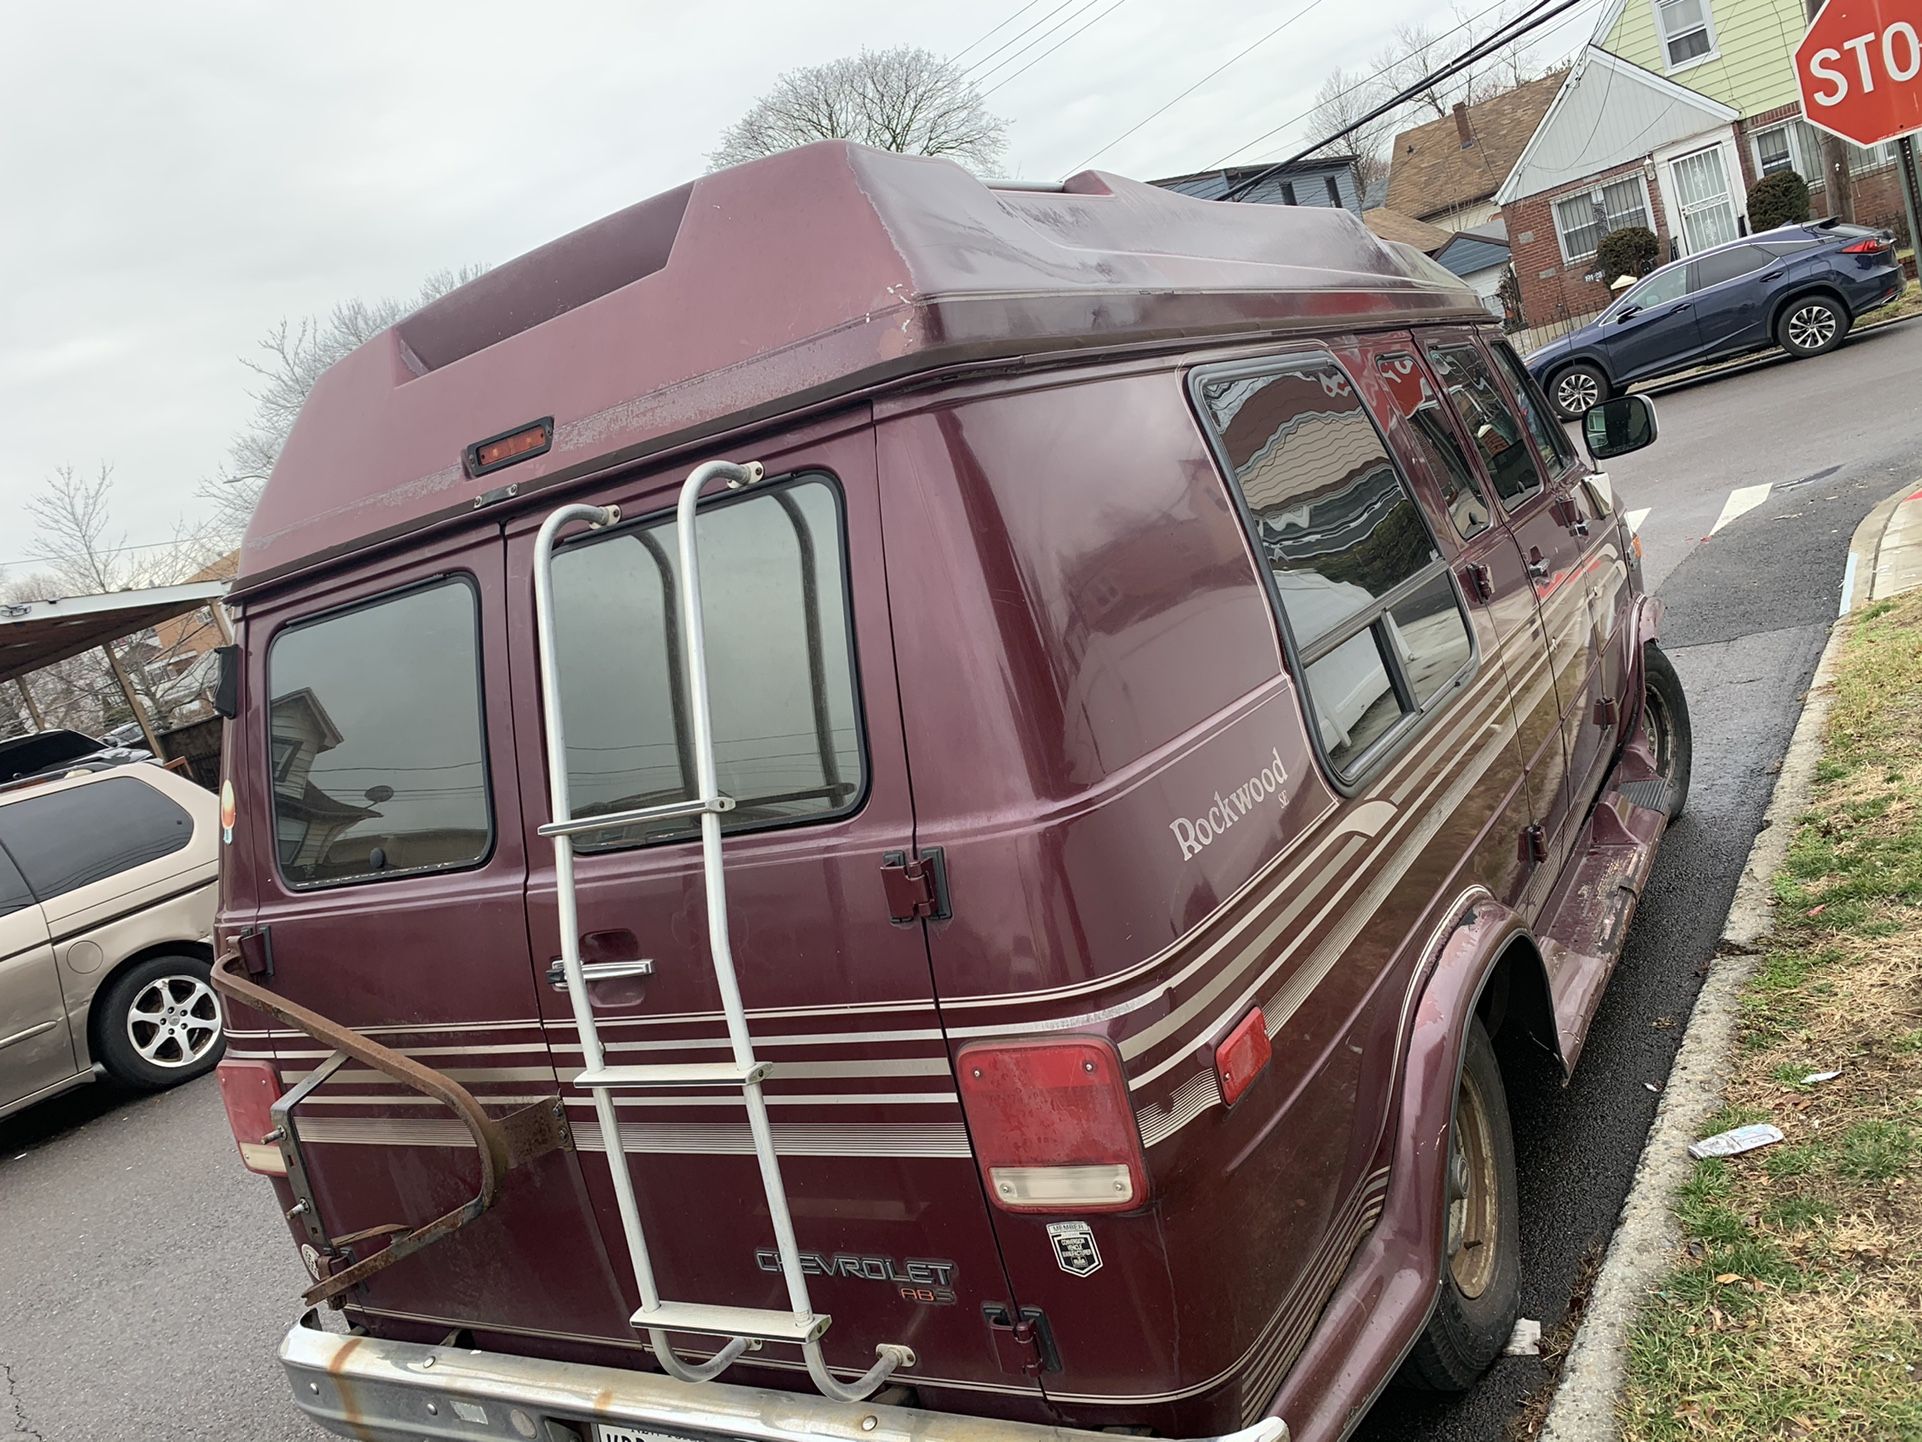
380, 1391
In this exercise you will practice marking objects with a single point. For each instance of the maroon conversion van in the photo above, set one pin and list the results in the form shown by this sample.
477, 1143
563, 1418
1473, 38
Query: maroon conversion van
863, 805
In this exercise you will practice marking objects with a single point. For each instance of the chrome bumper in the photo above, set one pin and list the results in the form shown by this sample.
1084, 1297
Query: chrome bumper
381, 1391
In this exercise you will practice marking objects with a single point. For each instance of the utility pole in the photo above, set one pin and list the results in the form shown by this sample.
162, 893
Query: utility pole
1835, 159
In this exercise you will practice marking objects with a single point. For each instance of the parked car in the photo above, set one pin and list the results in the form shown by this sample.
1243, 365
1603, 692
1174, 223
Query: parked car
1162, 727
106, 914
1799, 287
56, 752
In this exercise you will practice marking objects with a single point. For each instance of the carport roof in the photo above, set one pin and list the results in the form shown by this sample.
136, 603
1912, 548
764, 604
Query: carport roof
36, 634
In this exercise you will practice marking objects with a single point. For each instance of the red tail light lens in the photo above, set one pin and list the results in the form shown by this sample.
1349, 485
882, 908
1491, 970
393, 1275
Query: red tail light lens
1871, 246
1242, 1054
1052, 1125
249, 1089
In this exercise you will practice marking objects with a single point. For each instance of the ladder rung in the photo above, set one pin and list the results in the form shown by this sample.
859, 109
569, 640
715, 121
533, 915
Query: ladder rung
676, 1074
667, 811
732, 1321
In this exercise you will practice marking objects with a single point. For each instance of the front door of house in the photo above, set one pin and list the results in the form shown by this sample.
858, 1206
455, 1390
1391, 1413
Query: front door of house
1705, 198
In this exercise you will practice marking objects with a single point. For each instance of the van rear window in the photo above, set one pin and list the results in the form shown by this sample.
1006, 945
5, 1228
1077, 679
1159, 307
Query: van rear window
376, 742
780, 660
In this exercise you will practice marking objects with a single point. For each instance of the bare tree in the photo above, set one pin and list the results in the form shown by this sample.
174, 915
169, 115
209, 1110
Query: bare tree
290, 358
1339, 105
904, 99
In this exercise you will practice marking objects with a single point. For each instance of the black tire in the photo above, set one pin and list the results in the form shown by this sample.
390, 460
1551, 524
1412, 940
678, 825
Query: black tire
1472, 1323
1573, 389
1665, 714
176, 1046
1812, 325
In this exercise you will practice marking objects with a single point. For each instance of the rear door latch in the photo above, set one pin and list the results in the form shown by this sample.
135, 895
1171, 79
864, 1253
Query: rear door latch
917, 886
1023, 1341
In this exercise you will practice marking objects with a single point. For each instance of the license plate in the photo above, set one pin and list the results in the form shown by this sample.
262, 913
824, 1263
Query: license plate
632, 1432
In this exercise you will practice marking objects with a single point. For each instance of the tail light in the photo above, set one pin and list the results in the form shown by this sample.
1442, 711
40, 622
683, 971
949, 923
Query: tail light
1874, 245
1052, 1125
249, 1089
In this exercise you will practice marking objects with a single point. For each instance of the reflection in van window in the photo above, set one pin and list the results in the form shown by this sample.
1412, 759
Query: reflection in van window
68, 839
1551, 441
780, 659
1407, 385
1486, 416
375, 739
1368, 600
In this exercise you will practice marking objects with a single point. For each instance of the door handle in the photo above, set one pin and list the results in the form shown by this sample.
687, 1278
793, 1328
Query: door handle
593, 971
1685, 305
1772, 275
1538, 570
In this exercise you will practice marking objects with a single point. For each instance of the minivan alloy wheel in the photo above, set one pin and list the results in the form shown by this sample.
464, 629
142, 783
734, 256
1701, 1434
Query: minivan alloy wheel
1577, 391
174, 1021
1812, 327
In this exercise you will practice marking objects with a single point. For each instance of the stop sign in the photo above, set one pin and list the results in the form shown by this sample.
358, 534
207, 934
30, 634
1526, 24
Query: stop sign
1860, 69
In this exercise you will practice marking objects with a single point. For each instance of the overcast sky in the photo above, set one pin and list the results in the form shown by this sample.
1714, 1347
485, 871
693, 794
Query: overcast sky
177, 177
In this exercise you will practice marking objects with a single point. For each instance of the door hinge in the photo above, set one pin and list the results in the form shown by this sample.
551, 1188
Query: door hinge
1534, 844
916, 886
1607, 713
1023, 1341
256, 948
1481, 581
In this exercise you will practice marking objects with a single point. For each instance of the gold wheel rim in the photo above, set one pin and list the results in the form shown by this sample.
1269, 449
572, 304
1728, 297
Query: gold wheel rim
1473, 1192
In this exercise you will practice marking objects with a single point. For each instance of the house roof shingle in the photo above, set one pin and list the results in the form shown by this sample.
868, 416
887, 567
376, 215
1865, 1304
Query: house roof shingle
1432, 171
1393, 225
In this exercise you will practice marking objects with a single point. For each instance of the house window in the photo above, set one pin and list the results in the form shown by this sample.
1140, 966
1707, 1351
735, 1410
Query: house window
1582, 220
1334, 191
1796, 145
1288, 192
1688, 37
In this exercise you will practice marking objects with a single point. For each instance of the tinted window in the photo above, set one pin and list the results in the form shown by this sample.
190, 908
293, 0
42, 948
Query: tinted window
1551, 441
1659, 289
1491, 423
375, 739
70, 839
1347, 550
1724, 265
780, 659
1435, 438
13, 886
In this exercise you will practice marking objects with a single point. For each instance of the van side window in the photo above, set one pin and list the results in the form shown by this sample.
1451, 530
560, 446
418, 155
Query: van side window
69, 839
375, 739
1489, 420
1370, 608
780, 658
1407, 385
1551, 441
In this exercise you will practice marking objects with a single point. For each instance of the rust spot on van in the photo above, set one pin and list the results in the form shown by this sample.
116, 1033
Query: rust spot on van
603, 1400
351, 1415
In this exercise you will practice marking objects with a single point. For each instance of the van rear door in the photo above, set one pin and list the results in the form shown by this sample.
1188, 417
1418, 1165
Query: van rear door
885, 1197
389, 884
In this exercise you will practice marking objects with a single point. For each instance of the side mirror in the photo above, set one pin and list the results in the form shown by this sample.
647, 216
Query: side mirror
1614, 428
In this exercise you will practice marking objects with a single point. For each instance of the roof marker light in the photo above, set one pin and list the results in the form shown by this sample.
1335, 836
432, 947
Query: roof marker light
505, 449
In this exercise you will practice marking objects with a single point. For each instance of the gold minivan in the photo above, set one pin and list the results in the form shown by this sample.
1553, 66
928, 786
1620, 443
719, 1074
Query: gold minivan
106, 906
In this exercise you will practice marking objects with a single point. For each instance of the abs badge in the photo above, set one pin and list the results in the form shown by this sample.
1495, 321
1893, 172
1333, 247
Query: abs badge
1074, 1248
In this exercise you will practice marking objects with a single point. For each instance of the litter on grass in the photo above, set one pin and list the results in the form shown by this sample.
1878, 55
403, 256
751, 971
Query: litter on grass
1525, 1340
1816, 1077
1734, 1143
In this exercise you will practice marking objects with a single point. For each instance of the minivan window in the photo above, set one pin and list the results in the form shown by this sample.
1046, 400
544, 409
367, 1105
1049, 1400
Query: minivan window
1362, 587
68, 839
780, 661
1490, 422
1724, 265
379, 765
1407, 385
14, 895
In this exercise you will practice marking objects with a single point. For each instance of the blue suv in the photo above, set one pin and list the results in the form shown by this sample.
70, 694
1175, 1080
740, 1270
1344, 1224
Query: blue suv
1799, 287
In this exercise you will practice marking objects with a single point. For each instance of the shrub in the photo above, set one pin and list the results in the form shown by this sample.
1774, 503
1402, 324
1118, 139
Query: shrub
1632, 250
1778, 199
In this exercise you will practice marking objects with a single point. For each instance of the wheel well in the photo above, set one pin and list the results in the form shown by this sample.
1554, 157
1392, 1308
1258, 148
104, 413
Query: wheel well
1556, 371
1827, 292
198, 949
1516, 1010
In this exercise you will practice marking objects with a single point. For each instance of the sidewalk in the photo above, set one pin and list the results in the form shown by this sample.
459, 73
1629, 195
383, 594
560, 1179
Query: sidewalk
1778, 1293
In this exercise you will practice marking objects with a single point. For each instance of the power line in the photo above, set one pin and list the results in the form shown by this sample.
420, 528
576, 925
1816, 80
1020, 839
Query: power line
1016, 38
1505, 34
104, 551
1080, 8
1201, 82
1052, 48
955, 58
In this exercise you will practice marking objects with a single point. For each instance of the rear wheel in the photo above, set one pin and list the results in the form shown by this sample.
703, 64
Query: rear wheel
1665, 715
1577, 390
1811, 325
1481, 1285
158, 1024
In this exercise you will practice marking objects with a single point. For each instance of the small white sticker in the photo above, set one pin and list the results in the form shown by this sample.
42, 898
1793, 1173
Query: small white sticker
470, 1412
1074, 1248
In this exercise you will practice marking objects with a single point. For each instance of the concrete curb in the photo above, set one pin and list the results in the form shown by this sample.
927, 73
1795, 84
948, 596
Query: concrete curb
1641, 1252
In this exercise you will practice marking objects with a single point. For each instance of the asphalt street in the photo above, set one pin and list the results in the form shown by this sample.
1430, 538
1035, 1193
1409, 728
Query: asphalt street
144, 1276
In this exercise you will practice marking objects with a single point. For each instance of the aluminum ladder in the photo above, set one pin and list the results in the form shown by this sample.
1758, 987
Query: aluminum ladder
743, 1327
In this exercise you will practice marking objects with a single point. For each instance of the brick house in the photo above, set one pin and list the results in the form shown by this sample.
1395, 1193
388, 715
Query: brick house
1674, 110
